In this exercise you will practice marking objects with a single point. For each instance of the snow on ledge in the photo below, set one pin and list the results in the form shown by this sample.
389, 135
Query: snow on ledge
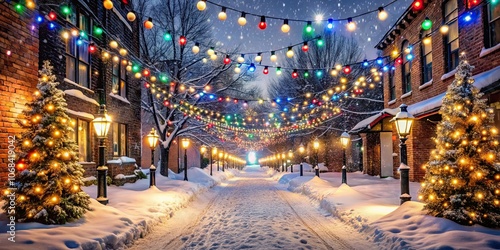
121, 98
487, 51
406, 95
90, 178
122, 160
78, 85
78, 94
122, 176
448, 75
391, 102
425, 85
80, 114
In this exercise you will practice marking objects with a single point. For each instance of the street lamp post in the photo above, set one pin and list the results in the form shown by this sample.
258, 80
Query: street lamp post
290, 156
203, 149
301, 151
185, 145
214, 152
283, 162
225, 162
218, 160
316, 148
404, 121
101, 125
344, 140
153, 140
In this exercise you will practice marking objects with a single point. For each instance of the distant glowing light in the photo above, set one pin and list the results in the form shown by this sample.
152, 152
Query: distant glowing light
252, 158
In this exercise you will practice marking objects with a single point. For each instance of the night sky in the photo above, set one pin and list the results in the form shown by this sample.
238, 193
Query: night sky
229, 34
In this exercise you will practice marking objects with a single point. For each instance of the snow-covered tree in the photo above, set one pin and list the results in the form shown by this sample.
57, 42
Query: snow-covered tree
47, 185
463, 174
189, 72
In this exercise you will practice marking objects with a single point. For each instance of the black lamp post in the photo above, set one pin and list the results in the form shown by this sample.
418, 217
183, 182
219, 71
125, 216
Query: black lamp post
185, 145
316, 148
101, 125
403, 121
344, 140
301, 151
153, 140
218, 160
203, 149
290, 156
225, 161
283, 162
214, 151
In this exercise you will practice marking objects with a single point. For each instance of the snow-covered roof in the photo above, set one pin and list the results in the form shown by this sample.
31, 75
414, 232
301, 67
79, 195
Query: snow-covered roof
78, 94
481, 81
372, 120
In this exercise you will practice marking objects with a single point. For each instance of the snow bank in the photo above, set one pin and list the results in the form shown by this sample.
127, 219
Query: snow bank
133, 210
371, 205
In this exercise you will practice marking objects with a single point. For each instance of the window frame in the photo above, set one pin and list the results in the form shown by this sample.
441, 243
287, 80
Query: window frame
74, 52
120, 129
405, 76
121, 78
77, 139
426, 68
488, 27
451, 57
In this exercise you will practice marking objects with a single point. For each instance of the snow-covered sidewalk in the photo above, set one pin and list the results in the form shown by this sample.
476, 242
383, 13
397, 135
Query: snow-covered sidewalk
132, 212
371, 205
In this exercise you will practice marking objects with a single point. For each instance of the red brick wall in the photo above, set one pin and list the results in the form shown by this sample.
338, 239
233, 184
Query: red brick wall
471, 41
18, 74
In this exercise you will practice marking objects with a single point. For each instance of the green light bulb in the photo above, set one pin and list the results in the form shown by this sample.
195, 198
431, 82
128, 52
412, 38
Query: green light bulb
320, 42
164, 78
306, 74
136, 68
167, 37
97, 30
309, 27
427, 24
66, 10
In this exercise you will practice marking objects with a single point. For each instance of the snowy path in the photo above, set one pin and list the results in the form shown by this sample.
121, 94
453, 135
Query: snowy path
250, 212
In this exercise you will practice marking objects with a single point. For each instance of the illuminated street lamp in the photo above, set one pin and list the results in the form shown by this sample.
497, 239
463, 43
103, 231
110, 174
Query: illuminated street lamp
214, 152
185, 145
403, 121
225, 161
316, 148
101, 126
153, 140
344, 140
283, 162
302, 150
290, 156
218, 160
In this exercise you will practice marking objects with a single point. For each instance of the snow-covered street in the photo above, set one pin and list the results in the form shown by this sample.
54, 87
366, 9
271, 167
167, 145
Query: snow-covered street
250, 211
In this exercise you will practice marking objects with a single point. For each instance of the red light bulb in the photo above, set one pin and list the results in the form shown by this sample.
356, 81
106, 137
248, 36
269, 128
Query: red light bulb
227, 60
266, 70
92, 48
52, 16
347, 69
146, 72
418, 5
305, 47
295, 74
166, 103
262, 24
182, 40
399, 60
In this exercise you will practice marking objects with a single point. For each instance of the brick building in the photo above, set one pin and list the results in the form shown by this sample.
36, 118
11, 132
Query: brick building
88, 78
421, 82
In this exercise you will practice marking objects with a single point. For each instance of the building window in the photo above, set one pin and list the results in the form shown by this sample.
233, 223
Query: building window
77, 53
119, 139
392, 87
406, 70
451, 40
426, 56
119, 79
81, 136
493, 25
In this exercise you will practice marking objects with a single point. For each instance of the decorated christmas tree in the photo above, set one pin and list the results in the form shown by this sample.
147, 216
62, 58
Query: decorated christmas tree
463, 174
48, 179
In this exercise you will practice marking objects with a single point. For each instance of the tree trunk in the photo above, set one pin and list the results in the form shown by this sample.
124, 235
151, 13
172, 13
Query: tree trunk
164, 161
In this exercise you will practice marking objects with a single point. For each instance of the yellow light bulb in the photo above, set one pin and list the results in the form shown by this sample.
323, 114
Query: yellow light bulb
38, 189
67, 180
